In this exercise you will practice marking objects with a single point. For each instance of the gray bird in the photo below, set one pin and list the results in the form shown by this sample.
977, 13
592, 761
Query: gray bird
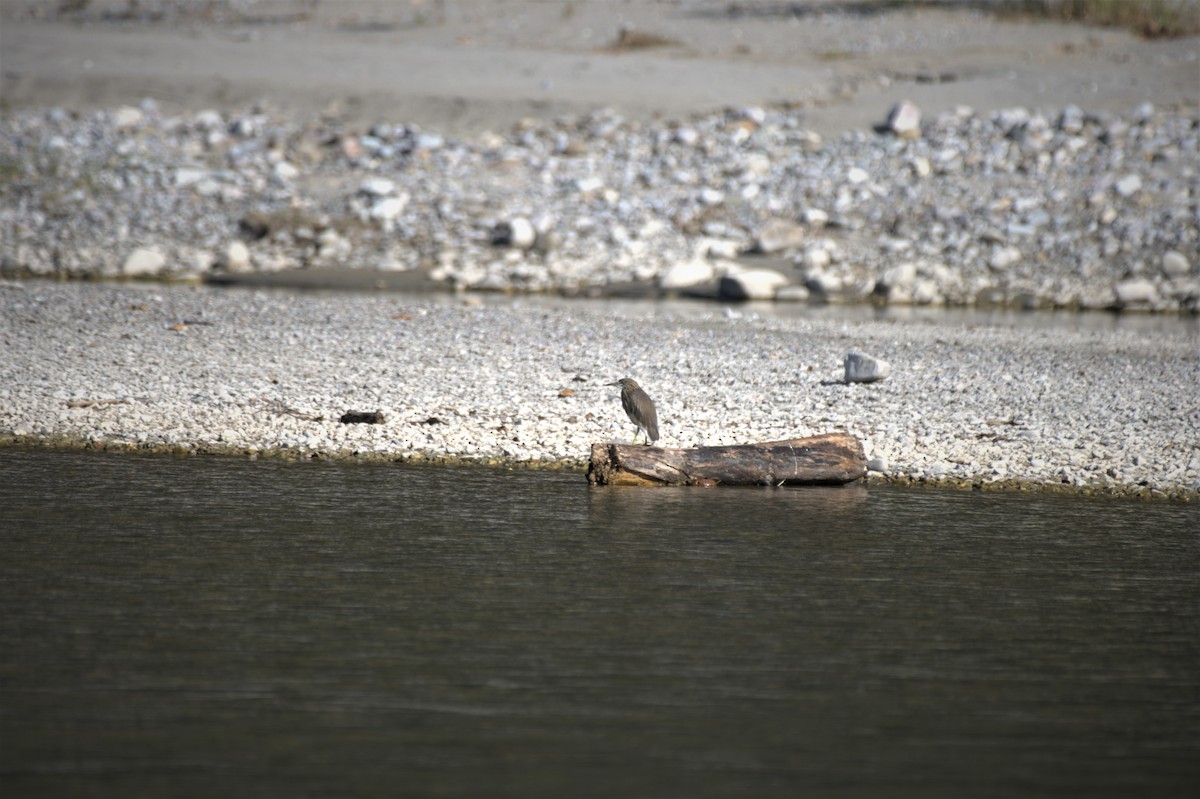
639, 407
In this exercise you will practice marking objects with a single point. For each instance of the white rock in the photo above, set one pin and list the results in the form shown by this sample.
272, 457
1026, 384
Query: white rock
858, 175
589, 185
236, 257
127, 117
1129, 185
378, 187
208, 119
187, 176
710, 196
389, 209
1004, 257
1175, 264
862, 368
286, 171
686, 273
1135, 291
905, 120
752, 284
430, 141
815, 217
878, 464
143, 263
756, 164
687, 136
920, 166
816, 258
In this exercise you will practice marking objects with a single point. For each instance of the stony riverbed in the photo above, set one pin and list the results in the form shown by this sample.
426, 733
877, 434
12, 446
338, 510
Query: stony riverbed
265, 372
1021, 207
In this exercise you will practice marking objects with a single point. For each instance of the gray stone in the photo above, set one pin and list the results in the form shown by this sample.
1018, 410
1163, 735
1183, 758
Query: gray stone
862, 368
1175, 264
753, 284
878, 464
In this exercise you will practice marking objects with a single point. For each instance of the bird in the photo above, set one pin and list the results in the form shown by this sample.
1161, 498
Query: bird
639, 407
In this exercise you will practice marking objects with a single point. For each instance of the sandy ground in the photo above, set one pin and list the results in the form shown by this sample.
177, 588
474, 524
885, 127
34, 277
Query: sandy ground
463, 67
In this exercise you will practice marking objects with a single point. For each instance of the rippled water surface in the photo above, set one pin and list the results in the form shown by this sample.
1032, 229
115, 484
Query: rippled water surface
200, 627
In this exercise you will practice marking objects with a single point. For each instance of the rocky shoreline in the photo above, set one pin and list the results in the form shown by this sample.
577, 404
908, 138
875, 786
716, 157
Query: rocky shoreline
1056, 208
270, 373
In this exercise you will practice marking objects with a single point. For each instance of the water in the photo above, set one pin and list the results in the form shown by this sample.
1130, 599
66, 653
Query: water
199, 627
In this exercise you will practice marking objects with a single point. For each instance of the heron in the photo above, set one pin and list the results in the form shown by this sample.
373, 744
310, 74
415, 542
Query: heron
639, 407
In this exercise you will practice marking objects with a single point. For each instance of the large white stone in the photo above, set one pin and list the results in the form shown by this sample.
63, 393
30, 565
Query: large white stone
686, 273
1134, 292
862, 368
143, 262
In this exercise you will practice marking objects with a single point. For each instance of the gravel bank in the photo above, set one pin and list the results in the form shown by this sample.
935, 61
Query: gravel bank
181, 368
1059, 208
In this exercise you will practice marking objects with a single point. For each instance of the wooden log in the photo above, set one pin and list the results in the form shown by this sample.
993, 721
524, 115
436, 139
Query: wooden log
830, 459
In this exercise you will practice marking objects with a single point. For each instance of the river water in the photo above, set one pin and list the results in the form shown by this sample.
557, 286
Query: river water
206, 627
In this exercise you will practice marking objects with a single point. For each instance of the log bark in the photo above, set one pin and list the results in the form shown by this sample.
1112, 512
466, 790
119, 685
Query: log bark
830, 459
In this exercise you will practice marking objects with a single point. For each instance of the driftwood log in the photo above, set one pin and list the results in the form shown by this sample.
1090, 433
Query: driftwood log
830, 459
